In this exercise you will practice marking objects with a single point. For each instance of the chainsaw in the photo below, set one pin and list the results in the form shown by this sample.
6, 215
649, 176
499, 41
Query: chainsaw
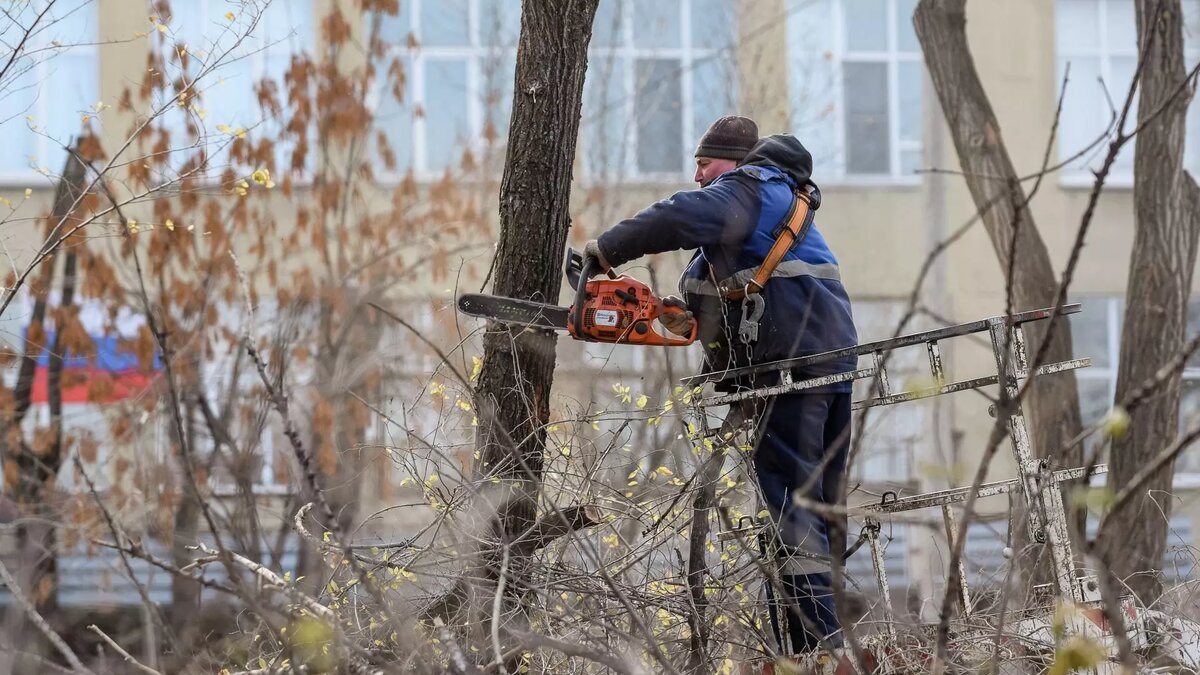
619, 309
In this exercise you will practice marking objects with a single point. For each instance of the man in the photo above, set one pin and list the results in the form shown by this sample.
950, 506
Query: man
747, 189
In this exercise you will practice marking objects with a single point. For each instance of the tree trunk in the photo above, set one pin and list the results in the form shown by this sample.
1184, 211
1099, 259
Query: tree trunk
37, 462
513, 393
1052, 405
1160, 280
185, 532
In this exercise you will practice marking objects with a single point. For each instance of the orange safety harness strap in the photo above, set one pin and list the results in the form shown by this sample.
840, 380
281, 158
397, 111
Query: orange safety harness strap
794, 229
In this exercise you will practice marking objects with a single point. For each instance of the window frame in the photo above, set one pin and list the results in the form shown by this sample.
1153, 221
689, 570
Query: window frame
836, 172
85, 51
262, 49
1114, 310
1082, 177
626, 55
474, 55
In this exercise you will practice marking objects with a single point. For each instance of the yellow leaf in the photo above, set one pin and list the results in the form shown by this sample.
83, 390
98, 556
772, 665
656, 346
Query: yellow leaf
1116, 423
476, 367
642, 400
162, 28
169, 225
28, 193
565, 450
261, 176
230, 16
1076, 653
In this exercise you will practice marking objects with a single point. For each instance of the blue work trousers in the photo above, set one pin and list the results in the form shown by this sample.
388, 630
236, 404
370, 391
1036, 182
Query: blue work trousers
802, 444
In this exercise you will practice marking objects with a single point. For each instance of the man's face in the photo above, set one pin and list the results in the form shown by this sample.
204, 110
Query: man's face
708, 168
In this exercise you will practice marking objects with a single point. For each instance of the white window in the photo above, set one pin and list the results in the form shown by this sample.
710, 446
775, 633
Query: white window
1096, 333
896, 437
226, 94
855, 81
49, 87
659, 72
457, 60
1098, 39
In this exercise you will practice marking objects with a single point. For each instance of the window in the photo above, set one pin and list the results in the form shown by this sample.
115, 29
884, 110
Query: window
1096, 333
897, 438
458, 78
48, 89
659, 72
855, 81
1098, 39
227, 93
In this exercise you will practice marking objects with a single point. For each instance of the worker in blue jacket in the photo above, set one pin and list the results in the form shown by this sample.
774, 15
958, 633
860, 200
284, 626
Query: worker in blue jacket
747, 188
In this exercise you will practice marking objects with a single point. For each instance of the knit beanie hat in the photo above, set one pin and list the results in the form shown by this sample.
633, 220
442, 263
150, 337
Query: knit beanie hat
730, 137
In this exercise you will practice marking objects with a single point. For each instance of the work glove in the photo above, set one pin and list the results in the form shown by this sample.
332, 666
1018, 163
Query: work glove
678, 323
592, 249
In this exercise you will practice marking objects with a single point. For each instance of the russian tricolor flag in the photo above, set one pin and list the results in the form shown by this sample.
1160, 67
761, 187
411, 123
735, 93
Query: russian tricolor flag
112, 375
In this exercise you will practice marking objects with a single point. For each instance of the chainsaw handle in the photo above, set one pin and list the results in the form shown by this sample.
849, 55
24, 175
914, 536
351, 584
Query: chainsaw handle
588, 269
672, 340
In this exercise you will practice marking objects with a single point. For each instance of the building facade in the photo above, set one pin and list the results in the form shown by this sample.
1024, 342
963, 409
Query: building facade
845, 76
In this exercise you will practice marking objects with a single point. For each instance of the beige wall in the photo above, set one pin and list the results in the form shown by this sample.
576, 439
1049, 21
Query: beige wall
881, 234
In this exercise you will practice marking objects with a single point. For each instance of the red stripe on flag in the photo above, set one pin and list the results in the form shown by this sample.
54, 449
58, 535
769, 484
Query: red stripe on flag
80, 383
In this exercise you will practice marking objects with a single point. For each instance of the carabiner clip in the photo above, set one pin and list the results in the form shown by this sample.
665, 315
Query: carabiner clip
753, 307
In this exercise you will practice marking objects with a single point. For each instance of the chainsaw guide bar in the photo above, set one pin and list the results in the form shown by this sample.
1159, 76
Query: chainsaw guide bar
511, 310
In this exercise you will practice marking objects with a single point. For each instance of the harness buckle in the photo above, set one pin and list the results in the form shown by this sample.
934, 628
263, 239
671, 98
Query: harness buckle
753, 306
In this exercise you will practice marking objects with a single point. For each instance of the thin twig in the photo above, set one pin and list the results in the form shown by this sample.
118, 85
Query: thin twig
30, 611
124, 654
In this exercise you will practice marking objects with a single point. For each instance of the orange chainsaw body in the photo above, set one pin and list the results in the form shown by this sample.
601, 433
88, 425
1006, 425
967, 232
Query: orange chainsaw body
622, 311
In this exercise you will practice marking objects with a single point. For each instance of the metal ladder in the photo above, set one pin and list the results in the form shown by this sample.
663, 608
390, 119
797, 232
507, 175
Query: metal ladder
1033, 475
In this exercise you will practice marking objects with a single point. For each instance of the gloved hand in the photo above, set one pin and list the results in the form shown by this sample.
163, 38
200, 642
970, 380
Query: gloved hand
592, 249
679, 323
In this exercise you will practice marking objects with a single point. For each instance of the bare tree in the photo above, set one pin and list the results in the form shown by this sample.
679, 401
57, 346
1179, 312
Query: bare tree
1167, 222
996, 188
37, 457
513, 394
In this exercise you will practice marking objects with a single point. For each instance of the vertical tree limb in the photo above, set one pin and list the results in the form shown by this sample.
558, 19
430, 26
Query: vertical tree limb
1052, 405
1167, 227
513, 393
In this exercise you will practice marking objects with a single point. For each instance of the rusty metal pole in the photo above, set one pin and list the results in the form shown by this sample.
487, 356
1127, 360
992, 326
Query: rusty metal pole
964, 590
1032, 471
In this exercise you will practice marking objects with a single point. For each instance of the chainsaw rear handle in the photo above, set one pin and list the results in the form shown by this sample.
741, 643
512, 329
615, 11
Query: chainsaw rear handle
672, 340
